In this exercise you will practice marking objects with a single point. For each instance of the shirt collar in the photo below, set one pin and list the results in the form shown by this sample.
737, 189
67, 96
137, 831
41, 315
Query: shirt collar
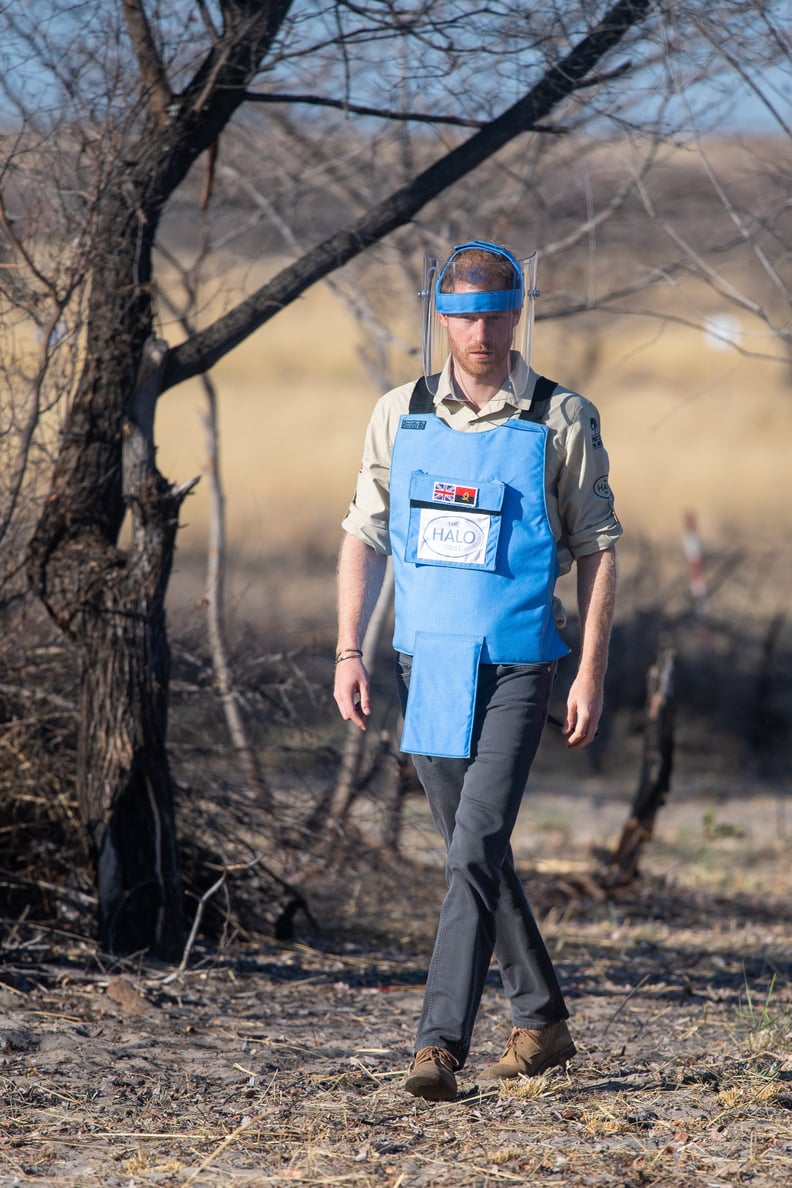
522, 380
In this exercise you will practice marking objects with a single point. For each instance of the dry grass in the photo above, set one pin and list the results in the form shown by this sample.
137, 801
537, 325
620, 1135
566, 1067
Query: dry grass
283, 1065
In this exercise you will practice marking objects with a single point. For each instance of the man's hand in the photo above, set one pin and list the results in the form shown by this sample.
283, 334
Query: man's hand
596, 582
360, 574
584, 710
352, 691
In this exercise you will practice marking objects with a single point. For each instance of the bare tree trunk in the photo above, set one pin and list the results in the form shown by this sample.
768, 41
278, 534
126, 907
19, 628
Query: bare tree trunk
111, 602
403, 783
215, 618
112, 605
655, 779
124, 693
765, 720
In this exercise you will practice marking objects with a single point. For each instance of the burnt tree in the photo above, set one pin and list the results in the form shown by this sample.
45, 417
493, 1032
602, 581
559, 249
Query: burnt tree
109, 601
621, 866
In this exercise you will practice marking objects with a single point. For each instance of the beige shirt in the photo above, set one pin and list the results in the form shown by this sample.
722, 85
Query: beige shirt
578, 496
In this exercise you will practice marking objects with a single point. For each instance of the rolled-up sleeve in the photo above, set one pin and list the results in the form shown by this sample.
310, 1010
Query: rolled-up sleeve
585, 504
368, 513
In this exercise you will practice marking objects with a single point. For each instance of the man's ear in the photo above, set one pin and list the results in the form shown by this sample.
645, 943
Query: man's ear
442, 319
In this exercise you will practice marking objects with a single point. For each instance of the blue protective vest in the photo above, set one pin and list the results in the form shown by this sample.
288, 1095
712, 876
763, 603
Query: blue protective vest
475, 567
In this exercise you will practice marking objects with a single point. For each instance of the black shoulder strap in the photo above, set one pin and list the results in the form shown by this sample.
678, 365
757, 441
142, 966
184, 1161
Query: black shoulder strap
541, 394
421, 400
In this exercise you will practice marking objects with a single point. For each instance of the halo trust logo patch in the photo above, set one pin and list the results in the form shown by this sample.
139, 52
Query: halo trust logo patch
602, 487
454, 538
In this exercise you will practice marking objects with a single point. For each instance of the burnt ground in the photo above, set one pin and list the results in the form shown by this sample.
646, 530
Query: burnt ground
269, 1064
280, 1063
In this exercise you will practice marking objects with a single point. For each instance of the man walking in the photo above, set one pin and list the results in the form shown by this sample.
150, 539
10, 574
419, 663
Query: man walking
485, 481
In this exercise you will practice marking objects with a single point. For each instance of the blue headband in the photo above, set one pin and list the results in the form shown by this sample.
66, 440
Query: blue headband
482, 301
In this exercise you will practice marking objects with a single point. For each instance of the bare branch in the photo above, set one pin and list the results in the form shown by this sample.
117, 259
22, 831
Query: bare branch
351, 298
214, 602
208, 187
360, 109
209, 25
151, 67
223, 77
718, 282
744, 231
606, 213
754, 83
234, 868
217, 340
29, 427
23, 254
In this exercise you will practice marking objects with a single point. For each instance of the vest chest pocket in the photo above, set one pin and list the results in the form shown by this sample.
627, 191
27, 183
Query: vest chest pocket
453, 523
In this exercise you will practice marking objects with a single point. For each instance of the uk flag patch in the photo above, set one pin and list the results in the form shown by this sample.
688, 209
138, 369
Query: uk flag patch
454, 493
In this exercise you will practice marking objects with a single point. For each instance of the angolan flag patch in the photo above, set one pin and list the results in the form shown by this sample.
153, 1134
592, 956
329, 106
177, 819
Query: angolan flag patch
452, 493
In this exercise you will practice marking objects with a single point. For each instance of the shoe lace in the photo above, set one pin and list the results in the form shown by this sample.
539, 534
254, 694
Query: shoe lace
437, 1056
511, 1044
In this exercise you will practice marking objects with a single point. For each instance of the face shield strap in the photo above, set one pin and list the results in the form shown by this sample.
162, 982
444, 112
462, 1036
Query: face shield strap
492, 301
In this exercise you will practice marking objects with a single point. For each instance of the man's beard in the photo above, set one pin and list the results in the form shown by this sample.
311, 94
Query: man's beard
494, 366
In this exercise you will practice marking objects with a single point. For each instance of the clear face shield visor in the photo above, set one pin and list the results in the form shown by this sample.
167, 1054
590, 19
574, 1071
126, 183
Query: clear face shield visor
452, 289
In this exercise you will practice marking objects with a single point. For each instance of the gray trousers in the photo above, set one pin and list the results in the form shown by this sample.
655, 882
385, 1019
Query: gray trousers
474, 804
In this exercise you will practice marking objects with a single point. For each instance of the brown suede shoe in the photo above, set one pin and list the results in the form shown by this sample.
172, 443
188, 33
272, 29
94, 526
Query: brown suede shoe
529, 1053
431, 1075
